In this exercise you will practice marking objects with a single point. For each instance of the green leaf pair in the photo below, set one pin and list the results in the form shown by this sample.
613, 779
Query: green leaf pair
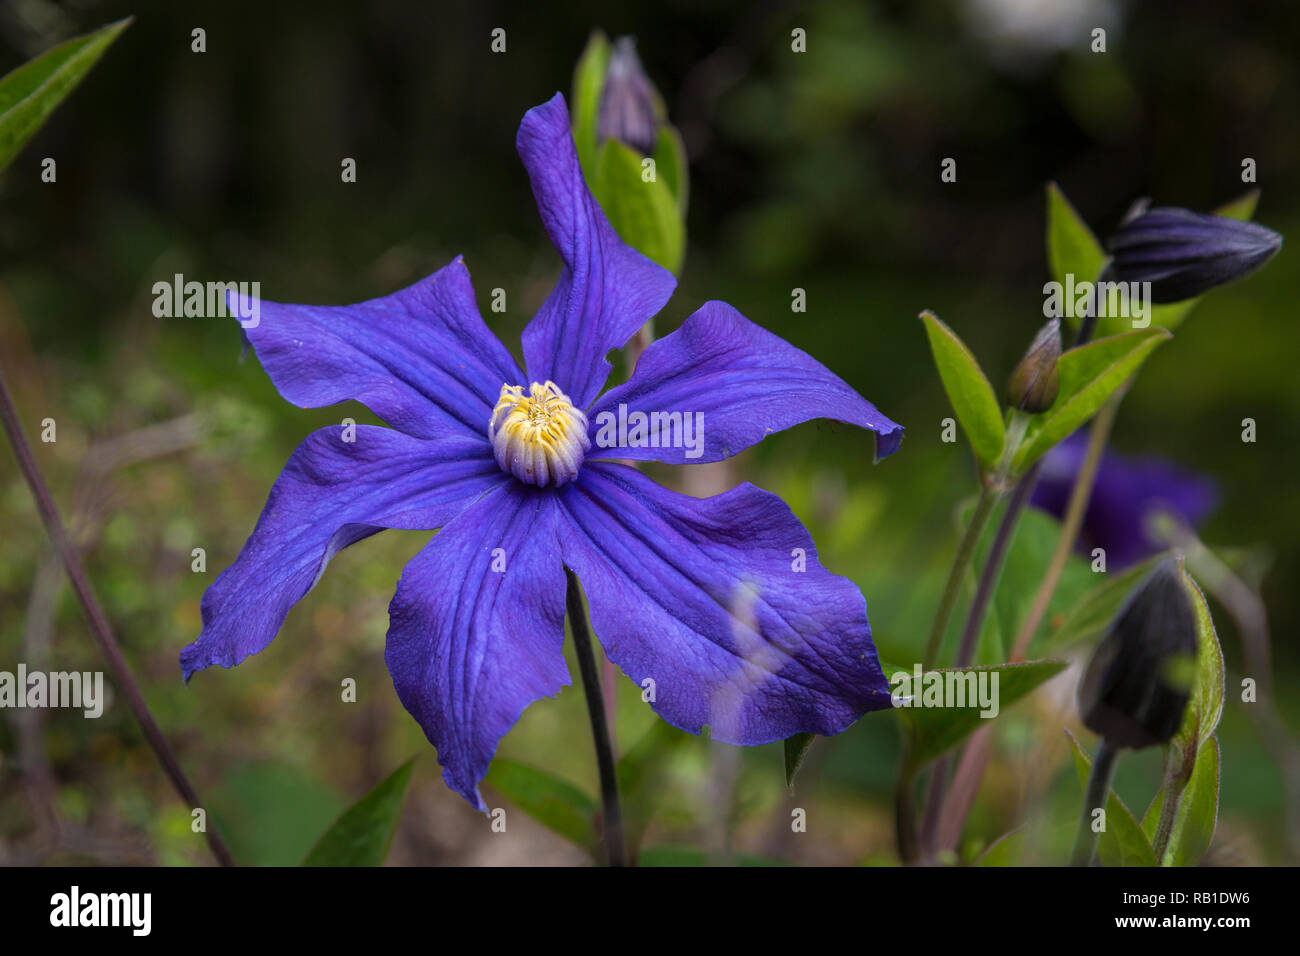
1089, 375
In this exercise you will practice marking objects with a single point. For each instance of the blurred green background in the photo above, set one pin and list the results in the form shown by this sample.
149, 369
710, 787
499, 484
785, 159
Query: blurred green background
818, 171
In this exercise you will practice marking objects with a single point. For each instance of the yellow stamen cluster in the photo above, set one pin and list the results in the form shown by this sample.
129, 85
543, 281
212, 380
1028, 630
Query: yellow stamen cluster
540, 438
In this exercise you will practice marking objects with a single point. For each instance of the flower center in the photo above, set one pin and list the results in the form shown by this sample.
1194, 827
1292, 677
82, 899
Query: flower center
540, 438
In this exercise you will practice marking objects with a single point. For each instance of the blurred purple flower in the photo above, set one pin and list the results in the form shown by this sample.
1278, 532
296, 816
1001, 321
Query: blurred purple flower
1127, 492
720, 602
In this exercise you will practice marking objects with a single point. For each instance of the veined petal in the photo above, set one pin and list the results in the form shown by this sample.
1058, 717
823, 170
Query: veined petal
722, 604
607, 290
477, 628
421, 359
332, 494
738, 382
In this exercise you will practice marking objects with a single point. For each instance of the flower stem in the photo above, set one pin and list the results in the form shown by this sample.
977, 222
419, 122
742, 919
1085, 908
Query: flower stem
1165, 824
613, 814
965, 553
1080, 494
1103, 771
970, 641
99, 626
993, 567
905, 816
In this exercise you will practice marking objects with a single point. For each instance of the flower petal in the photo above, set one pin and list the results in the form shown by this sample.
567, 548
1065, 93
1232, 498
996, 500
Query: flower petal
332, 494
421, 359
607, 290
706, 598
741, 381
470, 645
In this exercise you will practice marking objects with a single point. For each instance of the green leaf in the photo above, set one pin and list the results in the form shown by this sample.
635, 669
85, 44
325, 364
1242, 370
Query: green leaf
673, 166
1206, 704
550, 800
363, 834
1242, 208
796, 752
1088, 618
1072, 249
644, 214
1168, 316
1194, 818
588, 85
30, 93
935, 730
1122, 843
641, 772
1197, 815
1006, 850
1030, 550
969, 391
1089, 376
697, 856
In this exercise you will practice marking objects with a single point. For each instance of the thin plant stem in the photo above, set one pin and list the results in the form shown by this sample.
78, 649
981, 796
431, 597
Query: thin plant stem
1073, 523
1080, 495
970, 641
1165, 824
965, 553
613, 814
993, 567
905, 817
1103, 771
99, 626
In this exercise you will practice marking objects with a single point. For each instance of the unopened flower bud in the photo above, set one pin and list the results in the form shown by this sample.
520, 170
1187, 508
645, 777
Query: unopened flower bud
1139, 680
1034, 383
1184, 253
630, 111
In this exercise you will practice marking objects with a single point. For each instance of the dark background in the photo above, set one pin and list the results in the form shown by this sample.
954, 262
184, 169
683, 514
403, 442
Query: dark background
818, 171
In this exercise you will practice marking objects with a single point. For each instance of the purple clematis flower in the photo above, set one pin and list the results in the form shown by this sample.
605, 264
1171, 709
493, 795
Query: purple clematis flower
721, 602
1126, 494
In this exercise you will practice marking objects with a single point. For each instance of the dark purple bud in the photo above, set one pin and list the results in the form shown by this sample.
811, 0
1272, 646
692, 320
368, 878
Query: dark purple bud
1184, 253
1034, 383
1139, 680
629, 105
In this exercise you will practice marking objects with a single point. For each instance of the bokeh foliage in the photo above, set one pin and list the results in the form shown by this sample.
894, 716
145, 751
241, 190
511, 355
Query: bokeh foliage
817, 171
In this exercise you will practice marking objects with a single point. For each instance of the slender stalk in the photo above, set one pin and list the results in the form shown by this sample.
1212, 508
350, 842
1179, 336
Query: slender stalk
905, 817
613, 814
1165, 825
965, 553
1103, 771
99, 626
969, 641
1080, 495
1081, 492
993, 566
